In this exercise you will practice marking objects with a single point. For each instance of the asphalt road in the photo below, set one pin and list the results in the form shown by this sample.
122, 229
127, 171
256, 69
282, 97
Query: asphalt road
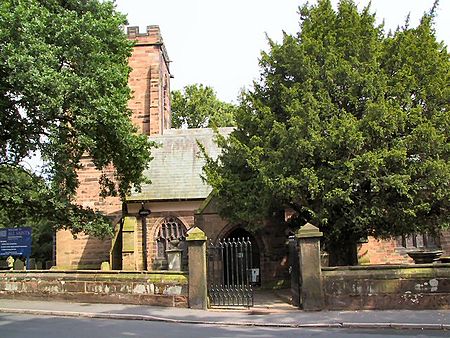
27, 326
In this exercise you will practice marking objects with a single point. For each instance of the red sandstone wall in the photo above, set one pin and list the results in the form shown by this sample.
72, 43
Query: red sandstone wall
83, 253
86, 252
417, 287
389, 252
149, 288
382, 252
89, 190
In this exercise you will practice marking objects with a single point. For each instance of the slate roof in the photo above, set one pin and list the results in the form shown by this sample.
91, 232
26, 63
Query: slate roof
177, 165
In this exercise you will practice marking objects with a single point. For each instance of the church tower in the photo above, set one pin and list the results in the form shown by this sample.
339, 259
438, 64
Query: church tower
149, 81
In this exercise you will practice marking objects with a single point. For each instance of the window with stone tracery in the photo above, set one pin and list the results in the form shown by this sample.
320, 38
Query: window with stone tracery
171, 234
418, 241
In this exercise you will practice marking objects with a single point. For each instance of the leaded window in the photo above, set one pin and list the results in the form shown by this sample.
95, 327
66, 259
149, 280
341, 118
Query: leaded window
418, 241
171, 234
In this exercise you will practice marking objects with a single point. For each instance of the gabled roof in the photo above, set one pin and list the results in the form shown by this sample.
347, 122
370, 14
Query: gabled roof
177, 165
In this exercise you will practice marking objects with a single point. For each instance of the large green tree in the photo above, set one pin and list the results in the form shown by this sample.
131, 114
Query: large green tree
349, 127
63, 95
197, 106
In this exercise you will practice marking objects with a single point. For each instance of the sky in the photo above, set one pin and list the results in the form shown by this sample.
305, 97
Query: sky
218, 42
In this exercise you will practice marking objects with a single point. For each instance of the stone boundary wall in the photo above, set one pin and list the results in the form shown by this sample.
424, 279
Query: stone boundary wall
163, 288
418, 286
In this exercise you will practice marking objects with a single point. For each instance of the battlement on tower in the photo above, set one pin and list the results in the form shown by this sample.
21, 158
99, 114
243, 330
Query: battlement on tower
152, 35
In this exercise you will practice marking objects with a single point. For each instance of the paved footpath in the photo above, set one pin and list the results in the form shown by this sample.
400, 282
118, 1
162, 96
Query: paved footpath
398, 319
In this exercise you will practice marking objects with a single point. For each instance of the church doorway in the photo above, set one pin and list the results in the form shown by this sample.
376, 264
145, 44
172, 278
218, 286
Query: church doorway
233, 269
254, 253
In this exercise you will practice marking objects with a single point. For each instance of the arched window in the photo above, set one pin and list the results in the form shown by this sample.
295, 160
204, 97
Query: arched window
418, 242
171, 234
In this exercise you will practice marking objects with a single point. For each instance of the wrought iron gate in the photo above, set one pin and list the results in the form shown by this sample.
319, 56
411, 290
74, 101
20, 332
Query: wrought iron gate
230, 272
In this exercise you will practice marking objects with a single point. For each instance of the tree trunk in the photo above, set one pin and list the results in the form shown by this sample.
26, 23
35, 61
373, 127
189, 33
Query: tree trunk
343, 253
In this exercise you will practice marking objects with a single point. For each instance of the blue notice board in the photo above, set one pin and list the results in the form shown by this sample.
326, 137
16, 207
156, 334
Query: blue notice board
15, 241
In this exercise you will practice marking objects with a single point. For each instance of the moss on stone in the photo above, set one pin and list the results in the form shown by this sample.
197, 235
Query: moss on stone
129, 223
76, 267
277, 284
168, 278
308, 231
196, 234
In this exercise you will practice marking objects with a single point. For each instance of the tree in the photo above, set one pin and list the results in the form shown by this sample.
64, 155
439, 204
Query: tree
198, 107
348, 127
63, 94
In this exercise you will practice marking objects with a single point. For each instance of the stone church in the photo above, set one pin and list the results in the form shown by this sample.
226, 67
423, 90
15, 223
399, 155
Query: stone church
177, 198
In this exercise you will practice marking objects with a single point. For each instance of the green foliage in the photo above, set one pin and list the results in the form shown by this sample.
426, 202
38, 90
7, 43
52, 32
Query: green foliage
348, 127
198, 107
64, 93
27, 200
